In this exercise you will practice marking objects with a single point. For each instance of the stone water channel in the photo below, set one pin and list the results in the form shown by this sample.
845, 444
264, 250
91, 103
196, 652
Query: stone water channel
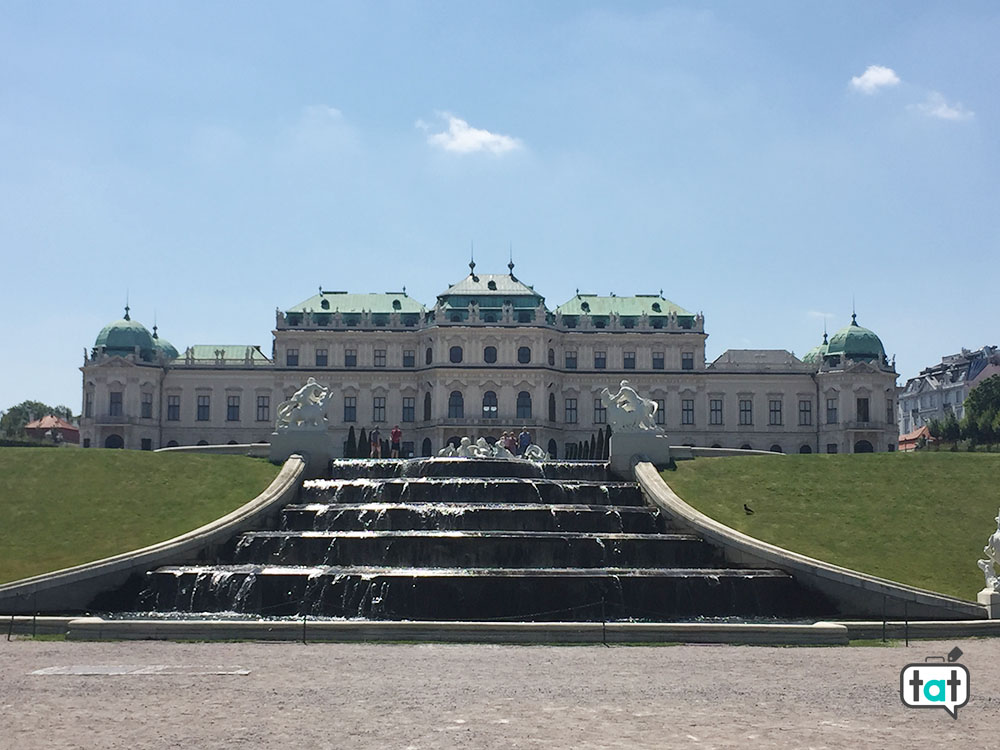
468, 539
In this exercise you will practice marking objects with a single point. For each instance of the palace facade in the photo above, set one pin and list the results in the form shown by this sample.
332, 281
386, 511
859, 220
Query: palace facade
489, 356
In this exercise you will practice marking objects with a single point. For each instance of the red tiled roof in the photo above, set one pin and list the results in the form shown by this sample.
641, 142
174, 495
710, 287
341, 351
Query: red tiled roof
50, 422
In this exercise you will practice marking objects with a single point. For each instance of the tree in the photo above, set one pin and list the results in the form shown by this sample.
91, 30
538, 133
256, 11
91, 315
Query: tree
602, 448
14, 419
607, 442
950, 429
935, 428
982, 407
351, 446
363, 446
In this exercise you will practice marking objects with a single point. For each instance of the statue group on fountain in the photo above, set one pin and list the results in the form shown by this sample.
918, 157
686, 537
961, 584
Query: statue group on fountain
483, 449
305, 410
628, 411
992, 552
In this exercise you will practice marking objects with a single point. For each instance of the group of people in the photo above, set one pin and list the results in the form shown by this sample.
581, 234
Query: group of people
375, 441
516, 444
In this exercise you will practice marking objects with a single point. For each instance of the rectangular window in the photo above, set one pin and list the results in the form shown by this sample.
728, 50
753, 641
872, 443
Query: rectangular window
629, 361
115, 404
862, 410
146, 444
409, 408
661, 411
204, 408
350, 409
570, 411
687, 360
380, 357
687, 411
292, 358
831, 411
600, 360
322, 358
657, 360
774, 412
570, 360
715, 411
831, 447
146, 406
746, 411
600, 412
232, 408
409, 358
890, 415
350, 357
805, 412
88, 405
86, 442
173, 408
378, 409
263, 408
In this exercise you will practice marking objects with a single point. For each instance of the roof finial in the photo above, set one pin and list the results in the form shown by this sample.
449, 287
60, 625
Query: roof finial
126, 306
404, 290
472, 258
154, 325
854, 312
661, 291
824, 329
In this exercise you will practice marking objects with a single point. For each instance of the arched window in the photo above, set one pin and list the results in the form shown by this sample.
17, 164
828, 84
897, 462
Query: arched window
805, 449
863, 446
489, 405
524, 405
776, 448
716, 445
454, 441
552, 449
490, 355
456, 405
746, 447
552, 357
172, 444
429, 356
114, 441
231, 442
455, 354
427, 407
552, 408
202, 442
425, 447
524, 355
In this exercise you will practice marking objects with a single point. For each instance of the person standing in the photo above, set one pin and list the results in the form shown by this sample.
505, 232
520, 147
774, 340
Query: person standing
394, 439
375, 439
523, 441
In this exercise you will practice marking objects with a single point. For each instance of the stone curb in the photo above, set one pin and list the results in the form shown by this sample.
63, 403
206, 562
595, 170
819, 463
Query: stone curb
820, 633
857, 594
72, 589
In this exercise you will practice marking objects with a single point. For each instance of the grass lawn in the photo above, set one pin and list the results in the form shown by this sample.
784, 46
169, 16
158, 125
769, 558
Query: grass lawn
917, 518
62, 507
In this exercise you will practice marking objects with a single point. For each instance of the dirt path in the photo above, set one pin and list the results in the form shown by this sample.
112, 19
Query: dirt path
444, 696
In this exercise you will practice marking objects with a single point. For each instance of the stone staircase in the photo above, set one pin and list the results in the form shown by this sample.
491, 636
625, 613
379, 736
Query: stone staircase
487, 540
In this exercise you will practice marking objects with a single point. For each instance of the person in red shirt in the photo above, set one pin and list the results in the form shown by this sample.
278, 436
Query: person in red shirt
394, 438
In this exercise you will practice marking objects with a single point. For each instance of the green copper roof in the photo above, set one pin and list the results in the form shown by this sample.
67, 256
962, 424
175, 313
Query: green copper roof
592, 304
855, 342
229, 352
122, 336
345, 302
490, 290
817, 353
163, 346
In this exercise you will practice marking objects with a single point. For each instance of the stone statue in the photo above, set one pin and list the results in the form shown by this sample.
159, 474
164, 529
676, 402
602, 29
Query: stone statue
628, 411
447, 452
992, 552
482, 449
535, 453
305, 410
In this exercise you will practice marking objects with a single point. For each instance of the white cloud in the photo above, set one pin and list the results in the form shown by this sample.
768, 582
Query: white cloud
935, 105
818, 314
874, 78
462, 138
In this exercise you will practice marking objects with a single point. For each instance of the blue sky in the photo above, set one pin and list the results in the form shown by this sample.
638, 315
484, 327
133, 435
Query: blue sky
764, 163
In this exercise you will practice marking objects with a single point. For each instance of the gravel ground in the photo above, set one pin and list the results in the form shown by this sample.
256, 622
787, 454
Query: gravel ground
444, 696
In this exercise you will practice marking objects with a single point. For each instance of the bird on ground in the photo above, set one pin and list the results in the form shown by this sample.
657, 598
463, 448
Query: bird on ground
747, 509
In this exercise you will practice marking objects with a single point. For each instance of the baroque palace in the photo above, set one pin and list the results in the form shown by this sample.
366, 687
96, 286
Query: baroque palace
490, 356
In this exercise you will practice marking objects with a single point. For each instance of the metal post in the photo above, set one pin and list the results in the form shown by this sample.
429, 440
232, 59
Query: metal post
906, 623
304, 617
10, 629
604, 623
883, 618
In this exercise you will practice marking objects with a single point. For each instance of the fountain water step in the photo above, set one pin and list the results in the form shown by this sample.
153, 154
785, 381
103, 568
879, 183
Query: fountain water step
469, 467
479, 594
463, 490
471, 517
472, 549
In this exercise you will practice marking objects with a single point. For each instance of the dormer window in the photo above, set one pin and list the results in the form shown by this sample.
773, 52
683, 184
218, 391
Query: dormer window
325, 304
656, 307
585, 306
492, 286
396, 304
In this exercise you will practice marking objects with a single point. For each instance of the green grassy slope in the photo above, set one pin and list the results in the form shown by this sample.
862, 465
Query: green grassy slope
61, 507
917, 518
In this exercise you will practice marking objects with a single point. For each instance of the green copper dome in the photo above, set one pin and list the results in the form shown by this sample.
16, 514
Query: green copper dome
122, 336
855, 342
816, 354
168, 350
